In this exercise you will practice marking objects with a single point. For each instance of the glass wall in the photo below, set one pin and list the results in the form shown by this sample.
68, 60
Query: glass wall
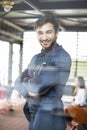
4, 57
4, 51
73, 42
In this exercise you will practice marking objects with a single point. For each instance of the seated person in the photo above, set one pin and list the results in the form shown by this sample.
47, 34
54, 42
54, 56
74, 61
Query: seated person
80, 97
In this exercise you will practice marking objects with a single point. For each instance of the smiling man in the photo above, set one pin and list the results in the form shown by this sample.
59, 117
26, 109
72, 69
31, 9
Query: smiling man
43, 80
46, 35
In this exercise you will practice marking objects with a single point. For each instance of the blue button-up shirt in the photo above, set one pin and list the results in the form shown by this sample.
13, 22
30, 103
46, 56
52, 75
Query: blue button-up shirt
47, 75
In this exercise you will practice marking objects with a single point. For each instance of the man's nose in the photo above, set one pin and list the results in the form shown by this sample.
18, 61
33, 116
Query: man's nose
44, 36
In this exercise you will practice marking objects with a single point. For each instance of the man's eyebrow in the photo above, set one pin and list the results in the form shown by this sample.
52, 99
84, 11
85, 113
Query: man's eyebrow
45, 31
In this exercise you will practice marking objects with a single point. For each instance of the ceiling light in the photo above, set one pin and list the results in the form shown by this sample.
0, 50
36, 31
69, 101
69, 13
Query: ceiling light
7, 5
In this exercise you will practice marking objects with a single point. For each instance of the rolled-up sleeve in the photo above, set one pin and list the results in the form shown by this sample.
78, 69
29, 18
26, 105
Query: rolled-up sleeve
45, 76
20, 83
49, 76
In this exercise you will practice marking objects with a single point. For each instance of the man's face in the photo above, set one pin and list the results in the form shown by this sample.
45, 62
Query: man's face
46, 35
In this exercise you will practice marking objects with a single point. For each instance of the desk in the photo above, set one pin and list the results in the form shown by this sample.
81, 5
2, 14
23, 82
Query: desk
78, 115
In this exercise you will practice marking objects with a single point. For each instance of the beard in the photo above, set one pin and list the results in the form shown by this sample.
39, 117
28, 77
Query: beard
50, 42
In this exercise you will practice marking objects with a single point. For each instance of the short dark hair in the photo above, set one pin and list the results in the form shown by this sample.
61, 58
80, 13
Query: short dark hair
48, 17
81, 81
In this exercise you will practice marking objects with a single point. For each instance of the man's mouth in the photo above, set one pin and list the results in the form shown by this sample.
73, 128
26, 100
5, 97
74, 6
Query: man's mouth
45, 41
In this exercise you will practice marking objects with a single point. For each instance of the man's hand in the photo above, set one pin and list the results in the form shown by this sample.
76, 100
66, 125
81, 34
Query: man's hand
39, 94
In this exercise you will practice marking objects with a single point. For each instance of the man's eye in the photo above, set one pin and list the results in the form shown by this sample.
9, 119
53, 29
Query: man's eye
49, 32
40, 33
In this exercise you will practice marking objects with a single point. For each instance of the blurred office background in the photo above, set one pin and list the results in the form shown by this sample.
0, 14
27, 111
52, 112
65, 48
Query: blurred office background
73, 42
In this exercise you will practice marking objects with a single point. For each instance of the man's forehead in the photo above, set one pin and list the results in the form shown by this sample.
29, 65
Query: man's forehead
45, 27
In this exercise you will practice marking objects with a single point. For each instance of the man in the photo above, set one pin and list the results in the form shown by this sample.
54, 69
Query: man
43, 81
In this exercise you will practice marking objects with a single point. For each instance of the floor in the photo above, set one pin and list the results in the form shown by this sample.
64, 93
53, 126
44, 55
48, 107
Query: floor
14, 120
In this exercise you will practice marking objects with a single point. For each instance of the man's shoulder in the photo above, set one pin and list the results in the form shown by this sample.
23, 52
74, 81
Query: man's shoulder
59, 50
36, 55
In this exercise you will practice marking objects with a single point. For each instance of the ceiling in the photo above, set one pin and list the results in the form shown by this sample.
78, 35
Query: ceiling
72, 15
